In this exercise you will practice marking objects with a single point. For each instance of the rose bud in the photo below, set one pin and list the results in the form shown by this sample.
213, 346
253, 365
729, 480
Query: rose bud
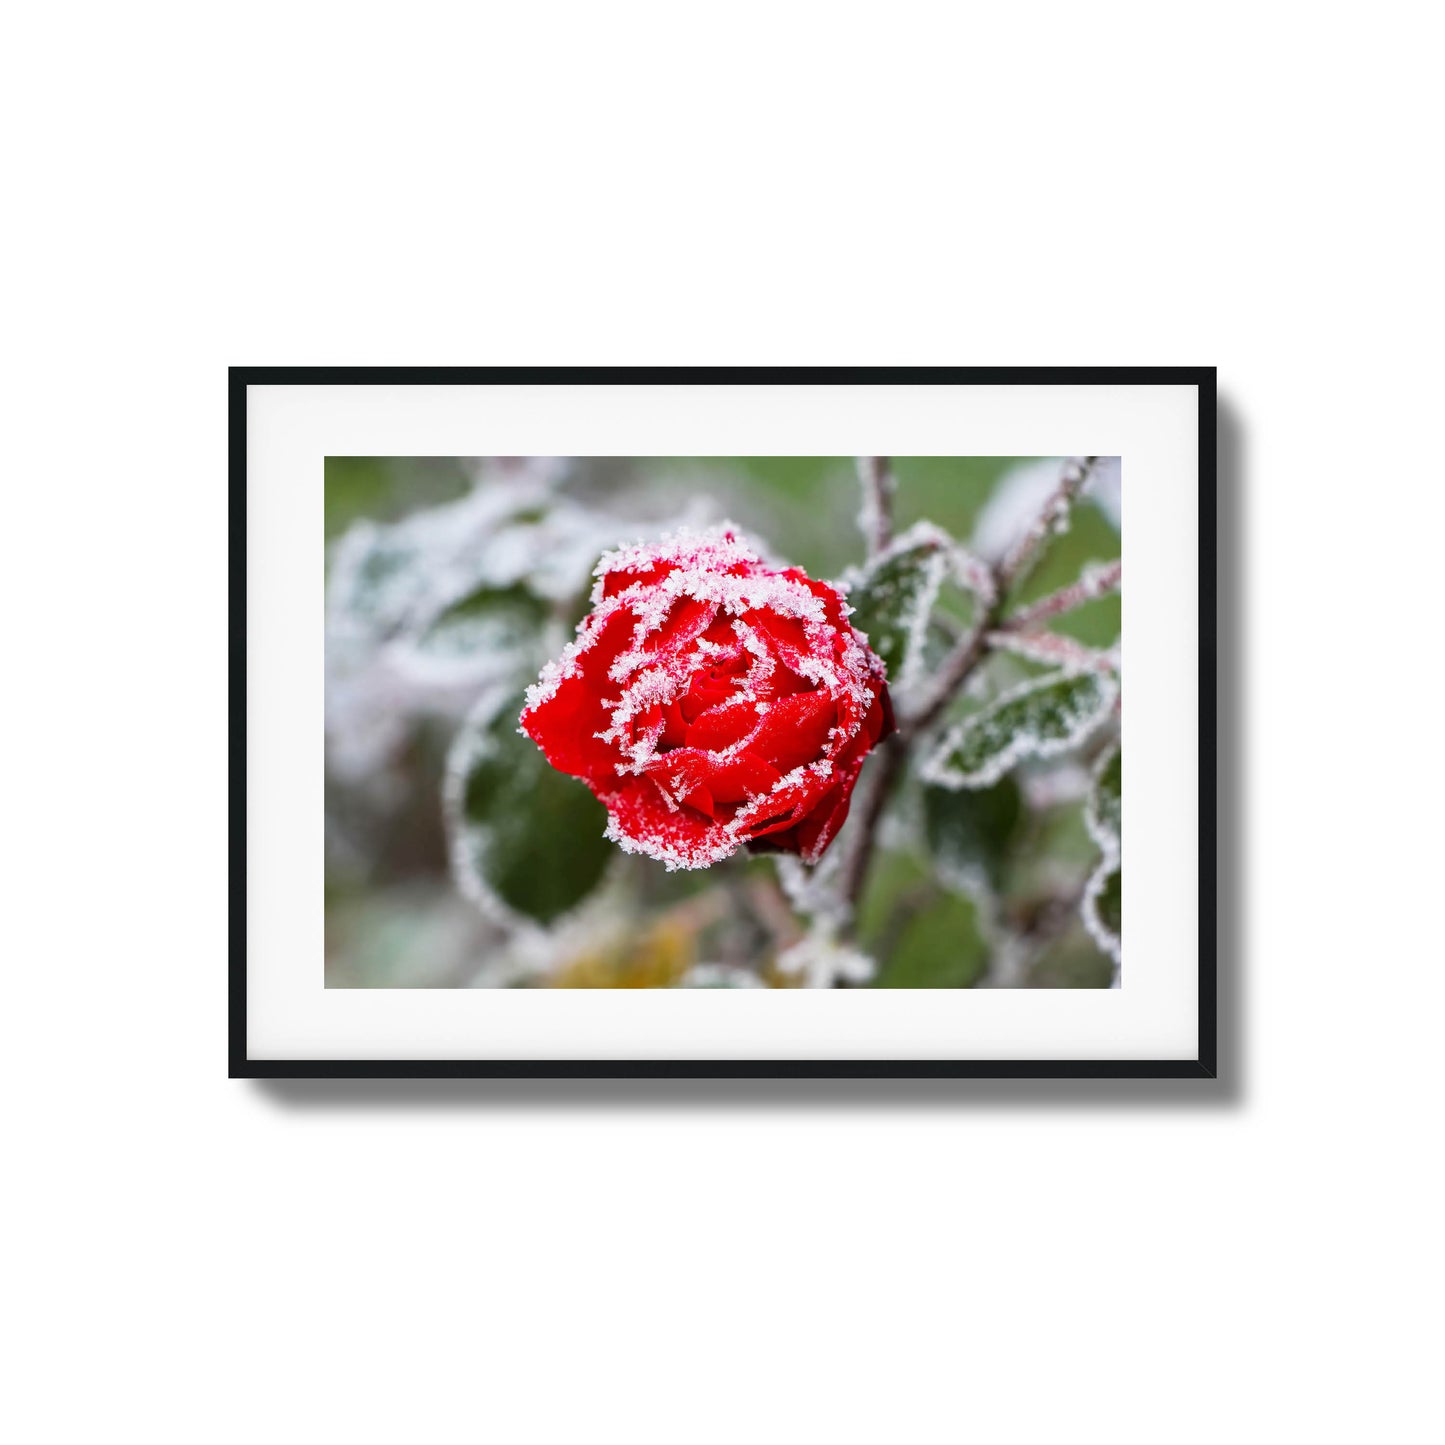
711, 701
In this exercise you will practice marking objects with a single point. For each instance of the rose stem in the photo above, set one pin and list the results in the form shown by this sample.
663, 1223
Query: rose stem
876, 517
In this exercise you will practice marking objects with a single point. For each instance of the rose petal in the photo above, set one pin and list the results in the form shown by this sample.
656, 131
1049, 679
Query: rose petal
687, 619
642, 820
794, 731
698, 779
829, 595
564, 725
674, 727
724, 726
620, 581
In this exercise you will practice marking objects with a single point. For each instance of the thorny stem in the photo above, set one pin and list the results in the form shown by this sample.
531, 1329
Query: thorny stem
1019, 562
876, 518
1096, 582
953, 673
1052, 648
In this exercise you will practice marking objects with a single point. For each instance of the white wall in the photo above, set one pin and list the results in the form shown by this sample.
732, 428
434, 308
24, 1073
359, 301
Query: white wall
193, 1259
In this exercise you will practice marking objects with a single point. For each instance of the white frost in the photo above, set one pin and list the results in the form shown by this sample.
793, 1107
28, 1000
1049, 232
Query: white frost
1024, 743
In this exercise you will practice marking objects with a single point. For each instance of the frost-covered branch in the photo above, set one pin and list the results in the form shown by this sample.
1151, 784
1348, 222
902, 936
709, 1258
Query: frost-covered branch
1095, 582
875, 519
1054, 515
951, 676
1053, 649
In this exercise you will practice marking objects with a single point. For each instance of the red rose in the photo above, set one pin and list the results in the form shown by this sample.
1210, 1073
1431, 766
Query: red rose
711, 701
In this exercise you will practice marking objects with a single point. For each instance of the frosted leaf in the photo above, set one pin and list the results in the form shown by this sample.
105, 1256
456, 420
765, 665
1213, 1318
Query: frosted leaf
893, 594
491, 634
424, 612
499, 618
719, 975
526, 841
820, 961
549, 546
508, 533
1103, 909
1040, 718
376, 577
1104, 810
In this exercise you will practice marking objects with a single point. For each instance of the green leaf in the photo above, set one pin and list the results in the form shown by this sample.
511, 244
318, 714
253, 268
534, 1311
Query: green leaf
893, 595
969, 830
1105, 808
1039, 719
491, 620
522, 834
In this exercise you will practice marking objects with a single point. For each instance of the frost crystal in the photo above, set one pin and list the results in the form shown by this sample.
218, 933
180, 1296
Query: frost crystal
1102, 906
1101, 910
822, 961
1104, 813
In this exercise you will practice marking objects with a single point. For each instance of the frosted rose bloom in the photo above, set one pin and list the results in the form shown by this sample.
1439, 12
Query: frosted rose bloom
710, 701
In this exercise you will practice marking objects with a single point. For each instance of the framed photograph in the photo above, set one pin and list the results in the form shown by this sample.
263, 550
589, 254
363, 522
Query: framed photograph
722, 722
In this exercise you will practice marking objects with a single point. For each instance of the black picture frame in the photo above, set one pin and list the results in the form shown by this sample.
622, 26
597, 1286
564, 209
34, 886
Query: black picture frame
1202, 1066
